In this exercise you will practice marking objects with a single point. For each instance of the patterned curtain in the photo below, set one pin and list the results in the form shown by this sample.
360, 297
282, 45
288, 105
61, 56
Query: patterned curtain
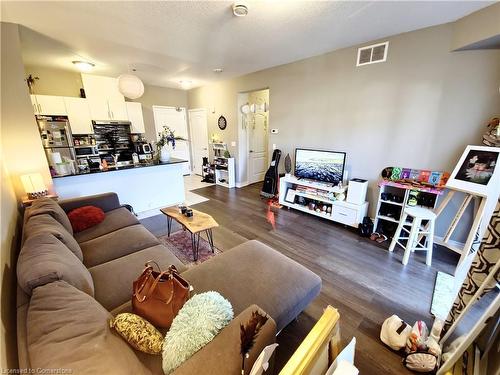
484, 261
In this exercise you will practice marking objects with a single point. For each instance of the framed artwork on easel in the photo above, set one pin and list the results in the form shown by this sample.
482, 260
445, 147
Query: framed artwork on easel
476, 170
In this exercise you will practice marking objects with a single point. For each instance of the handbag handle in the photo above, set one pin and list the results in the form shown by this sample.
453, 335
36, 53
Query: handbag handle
149, 268
153, 287
147, 265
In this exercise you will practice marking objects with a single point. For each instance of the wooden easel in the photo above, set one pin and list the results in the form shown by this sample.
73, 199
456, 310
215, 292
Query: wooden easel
478, 214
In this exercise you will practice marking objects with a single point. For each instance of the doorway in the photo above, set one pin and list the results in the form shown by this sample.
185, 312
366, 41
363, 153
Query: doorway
175, 119
254, 109
199, 137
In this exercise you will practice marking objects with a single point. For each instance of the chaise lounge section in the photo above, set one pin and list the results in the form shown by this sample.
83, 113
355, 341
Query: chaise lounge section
67, 278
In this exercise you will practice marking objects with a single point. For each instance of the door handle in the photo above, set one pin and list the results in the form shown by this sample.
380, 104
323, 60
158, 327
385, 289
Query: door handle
250, 151
205, 148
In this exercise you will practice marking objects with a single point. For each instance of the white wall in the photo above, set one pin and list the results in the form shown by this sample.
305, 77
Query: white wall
419, 109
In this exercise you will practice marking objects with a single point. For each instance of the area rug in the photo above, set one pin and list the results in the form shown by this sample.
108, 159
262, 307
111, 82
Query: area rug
179, 243
443, 296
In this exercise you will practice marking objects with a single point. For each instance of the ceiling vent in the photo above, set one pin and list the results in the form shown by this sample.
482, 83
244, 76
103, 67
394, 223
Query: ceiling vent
372, 54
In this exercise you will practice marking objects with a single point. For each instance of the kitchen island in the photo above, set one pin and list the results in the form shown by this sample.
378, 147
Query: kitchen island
146, 188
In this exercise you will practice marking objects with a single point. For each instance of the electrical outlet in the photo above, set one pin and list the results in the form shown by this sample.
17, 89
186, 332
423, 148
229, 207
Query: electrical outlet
274, 131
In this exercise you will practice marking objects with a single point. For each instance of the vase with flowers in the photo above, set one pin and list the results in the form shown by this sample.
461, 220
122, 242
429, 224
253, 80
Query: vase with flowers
167, 140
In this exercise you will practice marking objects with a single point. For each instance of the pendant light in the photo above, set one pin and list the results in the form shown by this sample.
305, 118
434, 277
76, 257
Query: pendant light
130, 86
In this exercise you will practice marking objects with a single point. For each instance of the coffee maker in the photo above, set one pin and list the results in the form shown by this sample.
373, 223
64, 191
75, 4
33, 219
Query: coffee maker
142, 148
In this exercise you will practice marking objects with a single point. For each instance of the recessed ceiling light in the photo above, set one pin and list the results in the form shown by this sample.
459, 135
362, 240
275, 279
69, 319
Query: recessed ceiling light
218, 70
185, 84
84, 66
240, 9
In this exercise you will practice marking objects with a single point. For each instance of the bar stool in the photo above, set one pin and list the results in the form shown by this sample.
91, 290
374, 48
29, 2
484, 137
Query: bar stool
416, 233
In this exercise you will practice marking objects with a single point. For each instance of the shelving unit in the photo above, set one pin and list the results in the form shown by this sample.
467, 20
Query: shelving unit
225, 172
400, 192
321, 194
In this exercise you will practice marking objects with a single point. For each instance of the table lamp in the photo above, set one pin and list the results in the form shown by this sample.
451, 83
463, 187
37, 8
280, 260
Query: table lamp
34, 186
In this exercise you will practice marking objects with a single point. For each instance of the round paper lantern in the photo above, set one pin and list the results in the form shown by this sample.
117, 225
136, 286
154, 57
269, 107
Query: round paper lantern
130, 86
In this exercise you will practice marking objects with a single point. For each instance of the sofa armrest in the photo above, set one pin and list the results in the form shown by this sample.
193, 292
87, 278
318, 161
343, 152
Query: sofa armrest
106, 201
222, 354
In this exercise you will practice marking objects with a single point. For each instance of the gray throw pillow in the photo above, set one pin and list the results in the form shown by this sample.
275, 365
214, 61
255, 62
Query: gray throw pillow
45, 259
49, 206
45, 223
197, 323
67, 329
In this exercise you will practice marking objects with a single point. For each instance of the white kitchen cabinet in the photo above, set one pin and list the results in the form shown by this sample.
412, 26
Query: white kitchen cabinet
79, 116
48, 105
118, 109
105, 100
134, 111
34, 104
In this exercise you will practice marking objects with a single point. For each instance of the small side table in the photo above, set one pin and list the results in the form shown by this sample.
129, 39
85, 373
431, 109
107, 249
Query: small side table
26, 202
199, 222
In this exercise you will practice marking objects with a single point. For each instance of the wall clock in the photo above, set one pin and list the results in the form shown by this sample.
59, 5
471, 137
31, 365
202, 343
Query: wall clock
222, 123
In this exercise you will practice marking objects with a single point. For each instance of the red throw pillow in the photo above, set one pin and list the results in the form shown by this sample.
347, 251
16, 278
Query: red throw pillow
85, 217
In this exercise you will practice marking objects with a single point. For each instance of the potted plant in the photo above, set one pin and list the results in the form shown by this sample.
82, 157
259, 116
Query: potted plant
167, 138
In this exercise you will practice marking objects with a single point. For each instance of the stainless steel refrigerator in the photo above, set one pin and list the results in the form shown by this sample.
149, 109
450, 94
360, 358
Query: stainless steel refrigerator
58, 144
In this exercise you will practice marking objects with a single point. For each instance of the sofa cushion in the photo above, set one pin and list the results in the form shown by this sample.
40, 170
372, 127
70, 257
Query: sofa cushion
44, 259
68, 329
45, 223
255, 273
116, 244
114, 220
50, 207
113, 279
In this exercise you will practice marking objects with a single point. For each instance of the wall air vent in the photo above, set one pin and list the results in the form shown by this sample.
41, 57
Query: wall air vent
372, 54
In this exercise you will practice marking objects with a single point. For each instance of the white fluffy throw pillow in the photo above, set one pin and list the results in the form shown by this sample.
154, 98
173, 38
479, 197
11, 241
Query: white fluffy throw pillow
197, 323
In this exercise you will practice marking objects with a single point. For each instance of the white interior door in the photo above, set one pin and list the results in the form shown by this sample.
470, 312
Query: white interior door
199, 137
175, 119
257, 148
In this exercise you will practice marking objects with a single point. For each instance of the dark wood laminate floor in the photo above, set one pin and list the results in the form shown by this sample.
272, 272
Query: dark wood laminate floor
360, 278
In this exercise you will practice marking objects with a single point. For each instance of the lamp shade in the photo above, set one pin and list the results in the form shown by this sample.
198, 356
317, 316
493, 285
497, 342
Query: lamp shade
130, 86
33, 185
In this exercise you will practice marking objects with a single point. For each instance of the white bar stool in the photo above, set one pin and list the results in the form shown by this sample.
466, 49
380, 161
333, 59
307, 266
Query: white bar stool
415, 233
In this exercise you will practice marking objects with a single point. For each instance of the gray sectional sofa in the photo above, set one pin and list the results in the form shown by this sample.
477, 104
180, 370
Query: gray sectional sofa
70, 284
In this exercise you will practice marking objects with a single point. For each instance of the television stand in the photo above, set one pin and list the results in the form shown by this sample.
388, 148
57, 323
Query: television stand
304, 194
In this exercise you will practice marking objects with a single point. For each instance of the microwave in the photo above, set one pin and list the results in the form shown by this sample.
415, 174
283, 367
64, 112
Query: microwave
84, 151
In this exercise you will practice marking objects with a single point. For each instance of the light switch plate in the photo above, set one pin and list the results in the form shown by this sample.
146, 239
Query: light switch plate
274, 131
274, 146
233, 144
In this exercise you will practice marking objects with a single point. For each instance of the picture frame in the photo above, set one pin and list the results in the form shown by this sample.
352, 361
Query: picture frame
477, 171
290, 196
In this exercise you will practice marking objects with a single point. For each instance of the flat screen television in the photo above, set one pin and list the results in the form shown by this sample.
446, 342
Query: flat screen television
320, 165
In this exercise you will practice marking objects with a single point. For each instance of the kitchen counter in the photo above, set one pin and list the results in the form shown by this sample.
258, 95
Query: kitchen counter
147, 188
114, 169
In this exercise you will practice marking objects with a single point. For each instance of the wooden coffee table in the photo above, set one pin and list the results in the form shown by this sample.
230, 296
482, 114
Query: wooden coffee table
196, 224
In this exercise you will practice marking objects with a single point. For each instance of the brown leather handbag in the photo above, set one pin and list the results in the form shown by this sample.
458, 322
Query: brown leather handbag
159, 295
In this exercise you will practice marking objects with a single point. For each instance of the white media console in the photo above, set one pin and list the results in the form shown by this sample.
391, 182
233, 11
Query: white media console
320, 194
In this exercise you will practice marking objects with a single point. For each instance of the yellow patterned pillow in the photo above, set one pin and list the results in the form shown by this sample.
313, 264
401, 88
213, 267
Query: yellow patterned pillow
138, 332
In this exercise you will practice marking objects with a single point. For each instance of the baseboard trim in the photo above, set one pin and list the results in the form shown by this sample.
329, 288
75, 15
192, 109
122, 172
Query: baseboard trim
242, 184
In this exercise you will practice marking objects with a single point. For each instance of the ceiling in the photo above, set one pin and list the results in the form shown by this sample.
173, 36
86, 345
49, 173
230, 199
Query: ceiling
172, 41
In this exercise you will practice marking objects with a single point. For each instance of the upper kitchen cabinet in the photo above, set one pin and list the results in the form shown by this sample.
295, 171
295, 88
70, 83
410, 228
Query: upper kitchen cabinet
79, 116
105, 101
134, 111
48, 105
